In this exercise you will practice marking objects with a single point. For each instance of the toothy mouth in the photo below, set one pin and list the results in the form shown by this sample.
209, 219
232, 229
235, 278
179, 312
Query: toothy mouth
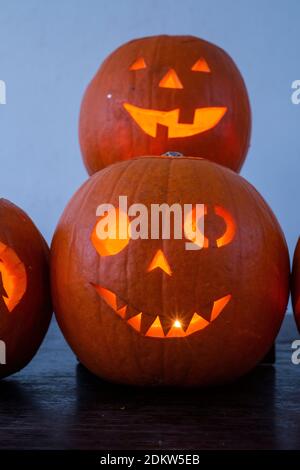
176, 329
148, 119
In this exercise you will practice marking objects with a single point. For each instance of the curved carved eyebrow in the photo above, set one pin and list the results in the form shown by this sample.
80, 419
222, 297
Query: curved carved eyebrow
201, 66
138, 64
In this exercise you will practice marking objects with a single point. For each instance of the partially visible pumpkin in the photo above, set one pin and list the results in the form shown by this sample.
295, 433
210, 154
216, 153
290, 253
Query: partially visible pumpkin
296, 284
148, 311
25, 305
165, 93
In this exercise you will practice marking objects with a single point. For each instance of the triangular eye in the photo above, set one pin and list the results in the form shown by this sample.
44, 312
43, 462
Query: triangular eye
138, 64
201, 66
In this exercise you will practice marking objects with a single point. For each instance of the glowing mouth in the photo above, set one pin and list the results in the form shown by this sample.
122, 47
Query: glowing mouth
148, 119
176, 330
13, 276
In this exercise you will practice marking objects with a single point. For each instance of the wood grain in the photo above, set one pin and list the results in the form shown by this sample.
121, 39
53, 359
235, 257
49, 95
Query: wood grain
55, 403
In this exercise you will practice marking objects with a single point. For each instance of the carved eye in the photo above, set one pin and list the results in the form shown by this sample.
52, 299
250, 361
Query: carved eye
201, 66
191, 230
109, 237
138, 64
230, 229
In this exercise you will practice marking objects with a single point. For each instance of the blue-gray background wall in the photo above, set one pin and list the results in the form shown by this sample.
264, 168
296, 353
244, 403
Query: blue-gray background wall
50, 50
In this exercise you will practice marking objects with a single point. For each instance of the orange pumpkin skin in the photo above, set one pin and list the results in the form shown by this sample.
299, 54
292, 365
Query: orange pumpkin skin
160, 74
252, 269
296, 284
25, 305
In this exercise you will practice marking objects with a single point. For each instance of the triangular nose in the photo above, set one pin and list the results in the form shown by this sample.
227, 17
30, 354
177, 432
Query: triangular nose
160, 261
170, 80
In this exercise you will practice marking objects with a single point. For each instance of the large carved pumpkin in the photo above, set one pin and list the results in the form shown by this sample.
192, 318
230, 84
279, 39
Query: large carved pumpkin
296, 284
25, 306
165, 93
150, 311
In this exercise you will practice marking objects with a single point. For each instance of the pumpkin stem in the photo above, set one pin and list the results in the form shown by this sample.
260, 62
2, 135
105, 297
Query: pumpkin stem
172, 154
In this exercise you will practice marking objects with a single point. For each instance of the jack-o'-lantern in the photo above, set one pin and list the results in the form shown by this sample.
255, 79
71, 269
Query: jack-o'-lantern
25, 306
165, 93
296, 284
153, 309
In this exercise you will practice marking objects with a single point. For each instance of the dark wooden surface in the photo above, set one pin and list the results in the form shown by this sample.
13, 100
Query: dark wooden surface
54, 403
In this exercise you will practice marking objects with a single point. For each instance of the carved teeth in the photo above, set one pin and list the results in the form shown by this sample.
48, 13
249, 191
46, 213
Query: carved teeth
176, 330
135, 322
219, 306
155, 330
122, 311
197, 323
107, 295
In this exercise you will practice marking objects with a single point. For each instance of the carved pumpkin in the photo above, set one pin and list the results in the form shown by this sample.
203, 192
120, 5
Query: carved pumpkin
165, 93
25, 306
149, 311
296, 284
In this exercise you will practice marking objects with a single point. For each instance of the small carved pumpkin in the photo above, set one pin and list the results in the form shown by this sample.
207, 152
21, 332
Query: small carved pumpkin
25, 306
165, 93
149, 311
296, 284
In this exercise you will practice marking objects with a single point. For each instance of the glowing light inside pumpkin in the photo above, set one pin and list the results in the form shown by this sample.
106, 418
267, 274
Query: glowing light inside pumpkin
14, 278
138, 64
171, 80
176, 331
201, 66
148, 119
109, 225
160, 261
